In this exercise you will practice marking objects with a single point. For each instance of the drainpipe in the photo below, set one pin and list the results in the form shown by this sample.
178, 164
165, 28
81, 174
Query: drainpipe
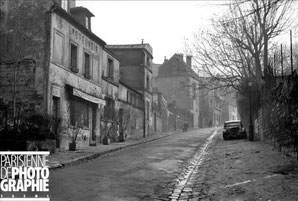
144, 133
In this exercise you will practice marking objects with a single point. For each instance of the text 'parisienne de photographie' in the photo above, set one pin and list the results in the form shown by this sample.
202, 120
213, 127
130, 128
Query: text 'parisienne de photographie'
24, 172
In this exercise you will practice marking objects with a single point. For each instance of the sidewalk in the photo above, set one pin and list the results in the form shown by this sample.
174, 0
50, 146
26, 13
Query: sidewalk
67, 158
249, 171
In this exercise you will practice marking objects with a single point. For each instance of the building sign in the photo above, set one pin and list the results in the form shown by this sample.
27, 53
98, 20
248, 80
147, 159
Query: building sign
56, 91
24, 176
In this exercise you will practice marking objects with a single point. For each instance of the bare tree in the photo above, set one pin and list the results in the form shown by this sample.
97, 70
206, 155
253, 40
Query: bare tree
235, 50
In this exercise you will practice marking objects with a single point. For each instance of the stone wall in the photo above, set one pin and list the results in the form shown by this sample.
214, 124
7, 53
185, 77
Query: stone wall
133, 121
26, 35
277, 117
25, 91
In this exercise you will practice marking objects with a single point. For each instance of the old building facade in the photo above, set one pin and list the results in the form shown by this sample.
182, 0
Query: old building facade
218, 104
136, 72
131, 112
179, 84
71, 74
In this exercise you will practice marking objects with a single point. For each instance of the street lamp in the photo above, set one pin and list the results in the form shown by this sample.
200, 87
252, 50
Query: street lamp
251, 133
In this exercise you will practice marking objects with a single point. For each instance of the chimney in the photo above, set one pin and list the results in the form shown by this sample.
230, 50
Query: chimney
188, 60
82, 15
72, 4
165, 60
142, 41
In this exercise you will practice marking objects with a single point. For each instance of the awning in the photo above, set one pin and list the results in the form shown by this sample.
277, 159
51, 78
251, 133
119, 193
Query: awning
88, 97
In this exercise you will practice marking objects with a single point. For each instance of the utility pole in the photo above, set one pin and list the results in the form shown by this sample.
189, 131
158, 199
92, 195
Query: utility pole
281, 60
291, 47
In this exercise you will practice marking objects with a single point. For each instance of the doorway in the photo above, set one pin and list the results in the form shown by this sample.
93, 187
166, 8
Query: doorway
56, 114
93, 130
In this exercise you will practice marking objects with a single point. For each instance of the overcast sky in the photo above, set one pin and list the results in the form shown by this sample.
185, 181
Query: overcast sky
162, 24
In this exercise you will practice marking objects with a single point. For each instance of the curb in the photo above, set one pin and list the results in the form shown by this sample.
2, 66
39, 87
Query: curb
103, 153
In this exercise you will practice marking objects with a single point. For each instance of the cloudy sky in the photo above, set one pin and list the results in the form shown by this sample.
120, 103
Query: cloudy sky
163, 24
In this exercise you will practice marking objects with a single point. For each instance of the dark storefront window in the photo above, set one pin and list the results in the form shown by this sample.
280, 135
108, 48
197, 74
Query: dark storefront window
109, 109
79, 112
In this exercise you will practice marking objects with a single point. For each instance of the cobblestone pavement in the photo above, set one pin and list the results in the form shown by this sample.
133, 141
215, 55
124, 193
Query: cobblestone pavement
189, 185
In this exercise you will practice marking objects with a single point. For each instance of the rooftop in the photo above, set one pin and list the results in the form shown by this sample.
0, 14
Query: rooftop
146, 46
80, 9
177, 65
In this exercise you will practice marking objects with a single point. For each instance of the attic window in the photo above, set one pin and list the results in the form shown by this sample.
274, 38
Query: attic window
87, 22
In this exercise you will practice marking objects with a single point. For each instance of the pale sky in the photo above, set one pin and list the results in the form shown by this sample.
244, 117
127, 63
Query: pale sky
162, 24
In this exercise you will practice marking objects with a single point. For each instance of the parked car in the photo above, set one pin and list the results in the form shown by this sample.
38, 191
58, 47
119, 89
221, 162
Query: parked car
234, 130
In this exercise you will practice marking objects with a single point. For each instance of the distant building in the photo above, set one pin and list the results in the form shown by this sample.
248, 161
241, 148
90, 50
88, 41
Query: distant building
217, 105
136, 72
179, 84
230, 107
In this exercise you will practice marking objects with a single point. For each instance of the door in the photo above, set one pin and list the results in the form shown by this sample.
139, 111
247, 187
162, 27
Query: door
55, 112
93, 130
121, 121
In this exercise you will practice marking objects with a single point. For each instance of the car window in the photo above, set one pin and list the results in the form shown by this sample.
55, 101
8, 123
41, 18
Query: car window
232, 124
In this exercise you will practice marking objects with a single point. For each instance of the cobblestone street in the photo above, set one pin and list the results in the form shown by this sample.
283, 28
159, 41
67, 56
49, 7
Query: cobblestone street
136, 173
191, 166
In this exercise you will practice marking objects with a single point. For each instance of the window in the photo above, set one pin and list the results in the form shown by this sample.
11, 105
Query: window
73, 57
64, 4
87, 22
110, 69
147, 82
148, 61
194, 90
58, 48
87, 65
147, 110
96, 70
79, 112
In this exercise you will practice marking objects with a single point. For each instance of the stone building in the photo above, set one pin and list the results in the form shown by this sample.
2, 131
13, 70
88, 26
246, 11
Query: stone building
66, 65
110, 90
179, 84
230, 109
217, 104
136, 72
160, 112
131, 112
